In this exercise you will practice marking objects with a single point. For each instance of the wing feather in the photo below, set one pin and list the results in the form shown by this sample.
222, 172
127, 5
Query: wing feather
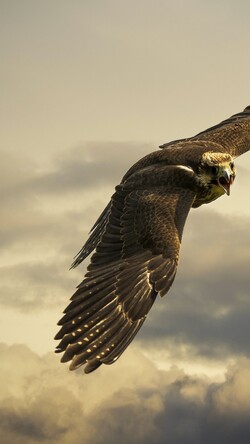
231, 135
135, 259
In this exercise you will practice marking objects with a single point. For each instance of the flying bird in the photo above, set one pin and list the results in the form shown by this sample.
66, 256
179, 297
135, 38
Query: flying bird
137, 240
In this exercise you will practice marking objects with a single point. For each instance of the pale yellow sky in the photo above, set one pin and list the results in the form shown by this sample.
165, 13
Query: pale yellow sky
117, 71
87, 88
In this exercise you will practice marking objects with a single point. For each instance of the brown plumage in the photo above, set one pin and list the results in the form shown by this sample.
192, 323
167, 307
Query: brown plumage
137, 240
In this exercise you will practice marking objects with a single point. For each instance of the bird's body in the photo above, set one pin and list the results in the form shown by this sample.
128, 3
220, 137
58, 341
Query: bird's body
137, 239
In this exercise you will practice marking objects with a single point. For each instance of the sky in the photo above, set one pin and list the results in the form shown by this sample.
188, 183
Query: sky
88, 88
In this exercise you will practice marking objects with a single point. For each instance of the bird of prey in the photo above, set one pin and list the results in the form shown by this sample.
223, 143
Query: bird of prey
137, 240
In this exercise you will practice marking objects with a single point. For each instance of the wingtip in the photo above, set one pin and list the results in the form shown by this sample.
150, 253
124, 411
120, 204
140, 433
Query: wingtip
58, 350
74, 264
92, 366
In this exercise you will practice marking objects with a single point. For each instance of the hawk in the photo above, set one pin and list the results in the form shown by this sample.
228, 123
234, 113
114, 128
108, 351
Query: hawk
137, 240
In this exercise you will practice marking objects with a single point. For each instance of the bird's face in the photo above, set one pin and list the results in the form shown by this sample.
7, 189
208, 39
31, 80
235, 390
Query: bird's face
218, 172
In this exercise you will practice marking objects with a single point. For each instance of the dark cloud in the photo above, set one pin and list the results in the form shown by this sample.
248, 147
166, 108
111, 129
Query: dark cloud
46, 212
40, 199
92, 165
208, 306
86, 166
131, 401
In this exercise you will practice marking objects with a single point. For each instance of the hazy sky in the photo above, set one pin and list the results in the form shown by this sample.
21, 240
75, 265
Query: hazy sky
87, 88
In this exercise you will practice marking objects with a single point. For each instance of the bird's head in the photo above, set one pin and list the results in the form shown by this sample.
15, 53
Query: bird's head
218, 170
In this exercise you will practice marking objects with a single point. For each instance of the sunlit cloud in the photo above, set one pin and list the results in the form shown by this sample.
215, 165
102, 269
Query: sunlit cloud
41, 401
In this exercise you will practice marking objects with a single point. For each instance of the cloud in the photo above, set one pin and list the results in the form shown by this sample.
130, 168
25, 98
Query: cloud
92, 165
36, 285
88, 165
207, 311
47, 210
41, 201
131, 401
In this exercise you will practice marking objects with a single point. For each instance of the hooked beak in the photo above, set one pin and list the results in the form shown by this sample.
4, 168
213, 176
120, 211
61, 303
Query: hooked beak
226, 179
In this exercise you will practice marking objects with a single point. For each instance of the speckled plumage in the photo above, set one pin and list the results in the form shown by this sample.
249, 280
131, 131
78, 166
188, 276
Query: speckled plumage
137, 240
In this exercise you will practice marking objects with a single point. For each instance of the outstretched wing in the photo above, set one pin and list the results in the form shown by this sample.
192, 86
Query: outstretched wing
231, 135
135, 259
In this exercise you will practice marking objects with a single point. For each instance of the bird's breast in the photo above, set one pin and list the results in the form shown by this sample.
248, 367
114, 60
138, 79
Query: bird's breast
207, 195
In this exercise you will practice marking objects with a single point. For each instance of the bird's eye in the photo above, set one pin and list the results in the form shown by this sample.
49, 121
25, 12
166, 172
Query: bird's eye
232, 165
214, 169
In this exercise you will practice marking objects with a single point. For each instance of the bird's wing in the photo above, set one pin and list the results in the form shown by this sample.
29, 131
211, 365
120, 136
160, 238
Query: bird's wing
231, 135
135, 260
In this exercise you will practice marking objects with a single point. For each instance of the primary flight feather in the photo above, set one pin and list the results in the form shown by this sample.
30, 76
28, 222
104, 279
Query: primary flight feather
137, 240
